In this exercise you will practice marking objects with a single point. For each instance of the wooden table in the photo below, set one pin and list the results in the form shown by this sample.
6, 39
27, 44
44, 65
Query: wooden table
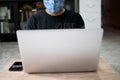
105, 72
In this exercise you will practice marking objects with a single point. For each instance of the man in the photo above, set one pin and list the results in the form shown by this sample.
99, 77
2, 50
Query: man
55, 16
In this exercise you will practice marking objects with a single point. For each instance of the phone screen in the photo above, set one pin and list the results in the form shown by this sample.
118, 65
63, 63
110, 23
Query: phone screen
17, 66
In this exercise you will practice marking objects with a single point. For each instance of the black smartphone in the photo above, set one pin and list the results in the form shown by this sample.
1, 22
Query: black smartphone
17, 66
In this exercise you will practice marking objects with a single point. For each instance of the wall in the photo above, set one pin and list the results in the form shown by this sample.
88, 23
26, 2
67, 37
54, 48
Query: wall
91, 13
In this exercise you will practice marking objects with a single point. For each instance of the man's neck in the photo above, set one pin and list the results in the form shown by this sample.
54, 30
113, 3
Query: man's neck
55, 14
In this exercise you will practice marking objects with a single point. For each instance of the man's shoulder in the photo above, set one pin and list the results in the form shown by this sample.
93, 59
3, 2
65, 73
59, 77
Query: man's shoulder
72, 13
40, 13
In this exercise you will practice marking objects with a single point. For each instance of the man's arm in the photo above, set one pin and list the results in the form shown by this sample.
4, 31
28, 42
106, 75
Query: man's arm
32, 23
80, 22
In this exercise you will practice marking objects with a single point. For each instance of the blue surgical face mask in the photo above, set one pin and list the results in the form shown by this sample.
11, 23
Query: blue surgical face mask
54, 5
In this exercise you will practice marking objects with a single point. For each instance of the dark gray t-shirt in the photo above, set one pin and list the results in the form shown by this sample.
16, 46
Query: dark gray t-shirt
67, 20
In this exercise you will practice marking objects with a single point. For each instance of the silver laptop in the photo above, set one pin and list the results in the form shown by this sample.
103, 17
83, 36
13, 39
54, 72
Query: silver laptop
60, 50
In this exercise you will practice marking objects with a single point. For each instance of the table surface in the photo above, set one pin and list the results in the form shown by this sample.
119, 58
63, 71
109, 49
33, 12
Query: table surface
105, 72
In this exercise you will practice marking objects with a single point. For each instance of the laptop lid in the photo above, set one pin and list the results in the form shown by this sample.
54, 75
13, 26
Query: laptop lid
60, 50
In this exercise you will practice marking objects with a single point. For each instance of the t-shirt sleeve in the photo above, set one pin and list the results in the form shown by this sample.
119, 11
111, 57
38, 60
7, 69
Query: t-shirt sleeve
80, 22
32, 23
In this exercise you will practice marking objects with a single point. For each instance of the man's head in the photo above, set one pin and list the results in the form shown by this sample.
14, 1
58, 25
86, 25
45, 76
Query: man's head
54, 6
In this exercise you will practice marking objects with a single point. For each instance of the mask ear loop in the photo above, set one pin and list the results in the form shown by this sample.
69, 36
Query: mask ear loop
64, 4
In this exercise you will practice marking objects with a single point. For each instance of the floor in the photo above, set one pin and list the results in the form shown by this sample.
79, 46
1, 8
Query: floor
8, 51
110, 50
